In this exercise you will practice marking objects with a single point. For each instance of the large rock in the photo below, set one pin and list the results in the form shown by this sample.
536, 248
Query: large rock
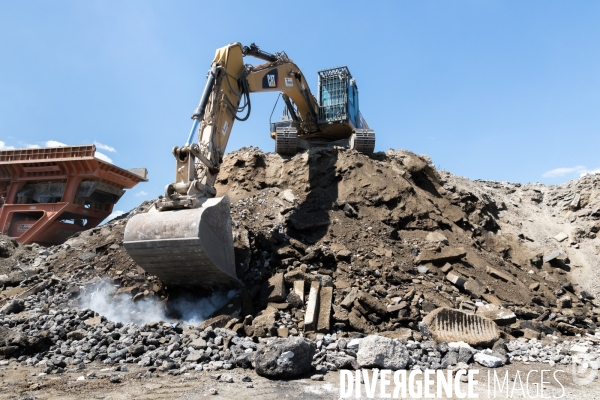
448, 325
382, 352
284, 358
488, 360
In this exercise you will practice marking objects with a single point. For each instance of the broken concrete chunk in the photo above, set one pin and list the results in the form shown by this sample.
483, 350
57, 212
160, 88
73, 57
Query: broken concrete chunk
468, 307
284, 358
490, 298
324, 319
447, 254
288, 195
382, 352
574, 205
340, 252
299, 289
474, 288
400, 333
396, 307
499, 275
488, 360
312, 307
299, 275
372, 303
529, 333
93, 321
350, 297
436, 237
274, 289
456, 279
552, 256
358, 322
534, 286
446, 268
564, 302
423, 269
501, 317
444, 324
340, 313
561, 237
579, 349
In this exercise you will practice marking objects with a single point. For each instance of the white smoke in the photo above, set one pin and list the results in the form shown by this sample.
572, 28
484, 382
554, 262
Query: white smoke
102, 299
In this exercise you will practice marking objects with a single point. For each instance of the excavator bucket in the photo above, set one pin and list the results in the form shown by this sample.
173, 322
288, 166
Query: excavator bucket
185, 248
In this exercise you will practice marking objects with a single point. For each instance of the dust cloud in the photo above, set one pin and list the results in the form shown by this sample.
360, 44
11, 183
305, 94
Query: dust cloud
102, 298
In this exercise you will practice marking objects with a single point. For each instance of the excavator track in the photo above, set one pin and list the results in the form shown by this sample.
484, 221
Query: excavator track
185, 248
363, 141
286, 140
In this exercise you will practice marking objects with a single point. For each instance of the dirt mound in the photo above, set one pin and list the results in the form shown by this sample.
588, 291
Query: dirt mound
385, 225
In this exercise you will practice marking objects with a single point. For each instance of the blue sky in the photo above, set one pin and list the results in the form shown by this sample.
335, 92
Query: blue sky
499, 90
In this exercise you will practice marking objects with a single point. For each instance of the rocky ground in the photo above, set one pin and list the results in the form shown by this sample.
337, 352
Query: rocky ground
345, 261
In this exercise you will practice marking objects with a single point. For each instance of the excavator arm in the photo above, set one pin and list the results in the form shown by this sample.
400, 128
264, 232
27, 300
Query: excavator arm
230, 83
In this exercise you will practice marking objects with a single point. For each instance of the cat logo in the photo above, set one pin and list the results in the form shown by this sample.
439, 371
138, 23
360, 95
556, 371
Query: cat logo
270, 80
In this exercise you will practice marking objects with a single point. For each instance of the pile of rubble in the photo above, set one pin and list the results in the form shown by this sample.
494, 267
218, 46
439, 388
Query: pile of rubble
344, 260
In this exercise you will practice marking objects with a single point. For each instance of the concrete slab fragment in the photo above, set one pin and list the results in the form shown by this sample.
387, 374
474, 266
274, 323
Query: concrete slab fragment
499, 275
299, 289
552, 256
561, 237
310, 318
324, 318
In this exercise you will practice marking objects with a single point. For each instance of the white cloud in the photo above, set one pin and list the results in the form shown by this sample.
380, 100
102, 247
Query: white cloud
590, 172
103, 157
33, 146
141, 193
580, 169
105, 147
3, 146
54, 143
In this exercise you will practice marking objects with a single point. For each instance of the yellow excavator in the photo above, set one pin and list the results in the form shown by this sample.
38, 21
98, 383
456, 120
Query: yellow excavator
185, 239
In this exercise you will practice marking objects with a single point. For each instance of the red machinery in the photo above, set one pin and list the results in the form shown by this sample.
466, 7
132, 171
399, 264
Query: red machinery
47, 195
